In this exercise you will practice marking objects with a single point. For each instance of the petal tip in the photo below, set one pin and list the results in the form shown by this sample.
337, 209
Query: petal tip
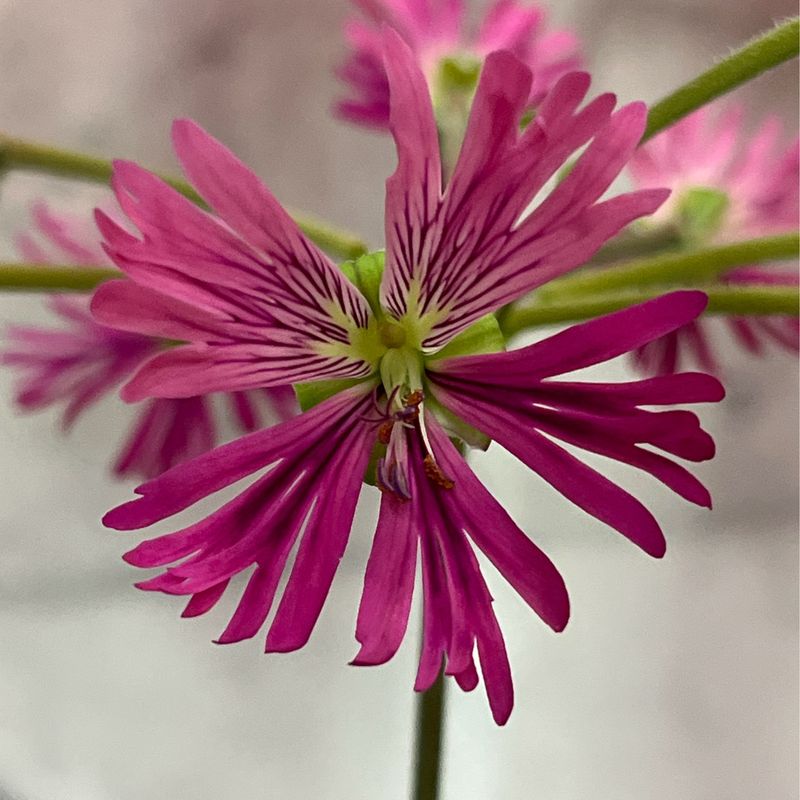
132, 556
656, 549
131, 392
120, 518
183, 127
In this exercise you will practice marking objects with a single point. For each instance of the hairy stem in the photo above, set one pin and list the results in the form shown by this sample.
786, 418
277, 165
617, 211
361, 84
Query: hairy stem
758, 55
24, 155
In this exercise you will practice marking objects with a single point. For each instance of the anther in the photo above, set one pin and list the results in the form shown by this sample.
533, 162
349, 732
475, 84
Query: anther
434, 473
413, 399
385, 431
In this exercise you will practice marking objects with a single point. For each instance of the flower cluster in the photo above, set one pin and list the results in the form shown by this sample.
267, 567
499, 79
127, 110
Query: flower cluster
723, 191
447, 51
405, 366
82, 361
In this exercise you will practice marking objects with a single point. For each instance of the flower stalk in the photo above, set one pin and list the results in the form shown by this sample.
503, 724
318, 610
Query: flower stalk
693, 268
760, 54
53, 278
24, 155
430, 727
723, 299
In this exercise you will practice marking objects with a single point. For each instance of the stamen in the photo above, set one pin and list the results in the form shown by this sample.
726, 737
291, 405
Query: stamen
434, 473
385, 432
432, 470
414, 399
391, 470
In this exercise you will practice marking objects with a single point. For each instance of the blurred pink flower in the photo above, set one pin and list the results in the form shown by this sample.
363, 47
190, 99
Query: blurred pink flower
438, 29
260, 305
757, 186
81, 361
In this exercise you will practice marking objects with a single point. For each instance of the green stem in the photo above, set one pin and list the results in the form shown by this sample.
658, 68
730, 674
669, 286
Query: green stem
637, 242
684, 268
746, 300
25, 155
430, 718
758, 55
53, 278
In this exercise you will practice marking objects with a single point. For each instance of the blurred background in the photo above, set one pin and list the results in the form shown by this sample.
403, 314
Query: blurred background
674, 679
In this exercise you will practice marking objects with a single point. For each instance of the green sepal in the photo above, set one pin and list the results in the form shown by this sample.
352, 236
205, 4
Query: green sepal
481, 338
455, 426
313, 393
365, 274
371, 473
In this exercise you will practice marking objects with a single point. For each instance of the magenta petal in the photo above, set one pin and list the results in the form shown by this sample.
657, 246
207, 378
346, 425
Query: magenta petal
784, 331
435, 616
58, 232
164, 549
187, 483
413, 191
597, 436
388, 582
600, 418
250, 290
125, 305
743, 331
76, 363
495, 668
204, 601
468, 679
254, 607
521, 563
243, 201
199, 369
493, 126
166, 433
585, 344
322, 545
303, 489
681, 388
581, 484
595, 169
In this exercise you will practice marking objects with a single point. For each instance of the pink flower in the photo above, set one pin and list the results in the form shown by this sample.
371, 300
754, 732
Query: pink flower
737, 189
259, 304
437, 30
81, 361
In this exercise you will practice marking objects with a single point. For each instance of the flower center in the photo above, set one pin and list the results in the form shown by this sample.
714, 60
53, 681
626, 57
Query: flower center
403, 418
392, 334
702, 214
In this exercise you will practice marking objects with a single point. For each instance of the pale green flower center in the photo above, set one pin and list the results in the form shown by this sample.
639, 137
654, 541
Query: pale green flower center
702, 214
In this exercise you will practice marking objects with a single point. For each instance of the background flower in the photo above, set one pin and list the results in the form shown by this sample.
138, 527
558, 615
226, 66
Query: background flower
726, 186
81, 361
448, 48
